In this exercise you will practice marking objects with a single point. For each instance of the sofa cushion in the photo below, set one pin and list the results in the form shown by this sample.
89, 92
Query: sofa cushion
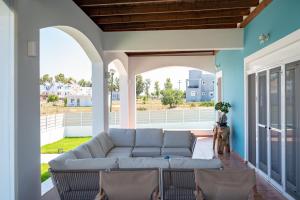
121, 149
177, 139
149, 137
95, 148
146, 152
105, 141
143, 163
92, 163
189, 163
119, 155
122, 137
58, 163
82, 152
176, 152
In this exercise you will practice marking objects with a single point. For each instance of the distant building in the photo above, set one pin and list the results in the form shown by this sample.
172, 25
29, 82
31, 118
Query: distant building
199, 86
79, 101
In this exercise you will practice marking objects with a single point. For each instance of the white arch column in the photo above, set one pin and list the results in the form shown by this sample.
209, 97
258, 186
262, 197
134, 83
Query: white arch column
98, 80
132, 99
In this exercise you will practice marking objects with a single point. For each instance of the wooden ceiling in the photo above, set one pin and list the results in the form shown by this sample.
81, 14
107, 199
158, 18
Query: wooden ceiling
137, 15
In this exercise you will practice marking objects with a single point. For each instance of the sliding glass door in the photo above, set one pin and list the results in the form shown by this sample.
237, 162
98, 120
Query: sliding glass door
252, 118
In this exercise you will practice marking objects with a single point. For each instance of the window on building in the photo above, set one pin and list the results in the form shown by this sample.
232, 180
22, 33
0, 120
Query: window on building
211, 94
203, 82
203, 93
193, 93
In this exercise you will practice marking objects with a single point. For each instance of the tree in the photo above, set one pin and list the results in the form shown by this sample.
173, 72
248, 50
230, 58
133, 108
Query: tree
46, 79
147, 87
168, 84
140, 85
82, 83
171, 97
52, 98
60, 78
117, 84
156, 89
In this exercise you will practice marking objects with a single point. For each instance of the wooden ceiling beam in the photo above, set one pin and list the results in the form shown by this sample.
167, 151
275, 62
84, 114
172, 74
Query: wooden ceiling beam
177, 23
168, 6
186, 27
172, 16
92, 3
255, 12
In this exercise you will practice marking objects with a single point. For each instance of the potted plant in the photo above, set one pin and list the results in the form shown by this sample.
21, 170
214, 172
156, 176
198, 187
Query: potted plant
223, 108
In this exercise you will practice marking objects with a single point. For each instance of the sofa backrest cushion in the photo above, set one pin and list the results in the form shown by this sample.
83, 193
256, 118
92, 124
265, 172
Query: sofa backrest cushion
173, 139
58, 163
141, 162
95, 148
122, 137
82, 152
91, 163
189, 163
149, 137
105, 141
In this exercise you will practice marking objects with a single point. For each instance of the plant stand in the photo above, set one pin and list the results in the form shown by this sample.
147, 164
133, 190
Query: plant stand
221, 135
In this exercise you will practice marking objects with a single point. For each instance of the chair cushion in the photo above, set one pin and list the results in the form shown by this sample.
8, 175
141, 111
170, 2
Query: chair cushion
177, 139
146, 152
105, 141
189, 163
122, 137
58, 163
131, 163
149, 137
176, 152
95, 148
82, 152
92, 163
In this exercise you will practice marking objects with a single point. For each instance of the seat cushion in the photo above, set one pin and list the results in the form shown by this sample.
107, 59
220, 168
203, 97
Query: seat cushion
58, 163
176, 152
149, 137
146, 152
92, 163
105, 141
177, 139
122, 137
82, 152
95, 148
121, 150
129, 163
118, 155
189, 163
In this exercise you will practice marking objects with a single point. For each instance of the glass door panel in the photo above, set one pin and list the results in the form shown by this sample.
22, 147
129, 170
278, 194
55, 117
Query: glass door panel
262, 122
275, 122
292, 109
252, 119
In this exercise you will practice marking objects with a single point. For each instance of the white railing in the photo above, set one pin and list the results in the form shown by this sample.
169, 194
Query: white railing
200, 118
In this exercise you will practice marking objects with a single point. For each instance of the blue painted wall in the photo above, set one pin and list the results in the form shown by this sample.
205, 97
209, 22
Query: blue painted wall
279, 19
231, 64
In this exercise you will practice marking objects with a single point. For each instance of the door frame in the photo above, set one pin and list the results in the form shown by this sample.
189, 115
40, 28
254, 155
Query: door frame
277, 54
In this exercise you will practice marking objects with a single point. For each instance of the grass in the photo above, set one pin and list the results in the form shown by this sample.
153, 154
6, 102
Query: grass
44, 172
63, 145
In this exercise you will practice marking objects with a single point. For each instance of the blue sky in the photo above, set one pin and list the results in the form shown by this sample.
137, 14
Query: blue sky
60, 53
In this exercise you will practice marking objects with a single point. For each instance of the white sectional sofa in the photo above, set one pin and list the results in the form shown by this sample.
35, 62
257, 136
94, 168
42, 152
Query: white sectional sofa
127, 143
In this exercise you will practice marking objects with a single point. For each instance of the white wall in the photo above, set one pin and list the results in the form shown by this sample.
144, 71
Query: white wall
177, 40
32, 15
6, 102
77, 131
52, 136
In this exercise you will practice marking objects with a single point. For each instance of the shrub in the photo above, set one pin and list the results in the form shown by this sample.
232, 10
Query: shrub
141, 108
52, 98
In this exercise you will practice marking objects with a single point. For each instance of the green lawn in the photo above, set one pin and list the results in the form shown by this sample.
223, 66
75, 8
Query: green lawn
44, 172
63, 145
